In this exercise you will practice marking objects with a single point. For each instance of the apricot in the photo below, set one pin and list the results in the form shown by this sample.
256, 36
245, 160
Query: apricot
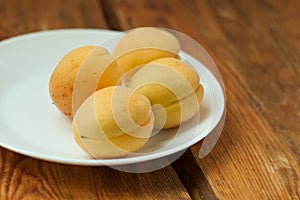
138, 47
173, 88
113, 122
76, 77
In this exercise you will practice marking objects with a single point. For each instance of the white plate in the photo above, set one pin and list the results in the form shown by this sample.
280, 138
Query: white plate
31, 125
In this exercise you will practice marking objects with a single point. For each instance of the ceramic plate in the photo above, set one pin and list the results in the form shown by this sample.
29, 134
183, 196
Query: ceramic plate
31, 125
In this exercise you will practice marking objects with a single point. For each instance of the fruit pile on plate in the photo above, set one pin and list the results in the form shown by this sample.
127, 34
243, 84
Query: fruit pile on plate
117, 100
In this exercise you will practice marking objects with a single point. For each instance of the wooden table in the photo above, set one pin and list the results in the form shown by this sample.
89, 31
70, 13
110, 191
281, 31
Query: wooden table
256, 45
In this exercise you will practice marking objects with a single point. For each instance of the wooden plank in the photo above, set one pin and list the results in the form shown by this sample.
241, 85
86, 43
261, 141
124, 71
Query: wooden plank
192, 177
27, 178
18, 17
256, 46
22, 177
264, 69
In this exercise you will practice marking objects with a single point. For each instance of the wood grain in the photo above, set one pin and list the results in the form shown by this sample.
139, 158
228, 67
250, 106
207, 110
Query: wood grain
18, 17
27, 178
256, 46
22, 177
192, 177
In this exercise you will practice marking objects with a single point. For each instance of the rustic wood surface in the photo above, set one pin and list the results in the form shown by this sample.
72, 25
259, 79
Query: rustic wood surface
255, 44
